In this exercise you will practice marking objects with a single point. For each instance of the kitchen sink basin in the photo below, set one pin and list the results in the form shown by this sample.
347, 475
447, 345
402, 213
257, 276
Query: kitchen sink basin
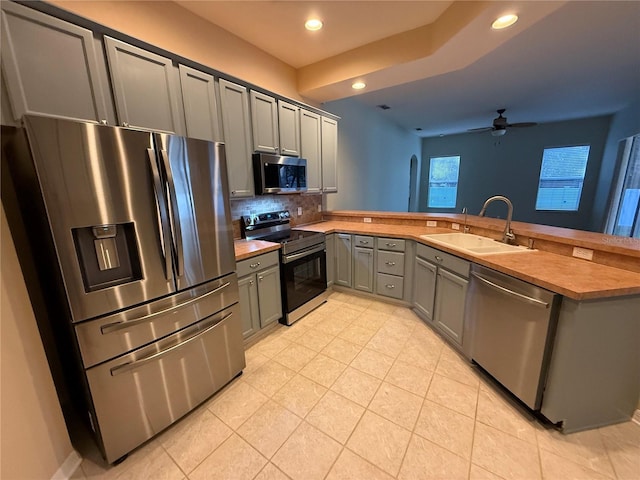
475, 244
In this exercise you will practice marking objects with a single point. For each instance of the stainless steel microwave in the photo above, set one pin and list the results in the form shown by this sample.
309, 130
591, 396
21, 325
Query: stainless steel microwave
278, 174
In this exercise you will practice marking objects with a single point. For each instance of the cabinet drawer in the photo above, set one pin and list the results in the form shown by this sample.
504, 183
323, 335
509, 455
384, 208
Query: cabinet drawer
259, 262
390, 286
391, 244
445, 260
363, 241
391, 263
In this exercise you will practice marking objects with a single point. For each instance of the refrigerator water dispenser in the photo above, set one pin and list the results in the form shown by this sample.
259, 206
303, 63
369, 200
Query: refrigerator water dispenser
108, 255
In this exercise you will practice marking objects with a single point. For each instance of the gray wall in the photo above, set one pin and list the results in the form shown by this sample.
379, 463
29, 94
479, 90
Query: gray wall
374, 158
510, 165
625, 123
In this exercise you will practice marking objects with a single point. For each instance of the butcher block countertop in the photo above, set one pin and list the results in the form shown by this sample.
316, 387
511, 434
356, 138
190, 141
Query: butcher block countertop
572, 277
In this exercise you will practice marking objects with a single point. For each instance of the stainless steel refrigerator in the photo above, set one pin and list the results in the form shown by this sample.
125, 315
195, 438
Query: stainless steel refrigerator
137, 238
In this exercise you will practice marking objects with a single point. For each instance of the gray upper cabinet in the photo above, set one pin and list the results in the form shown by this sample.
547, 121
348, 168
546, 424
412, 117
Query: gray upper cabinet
310, 148
200, 104
289, 126
264, 123
329, 155
145, 86
236, 125
50, 66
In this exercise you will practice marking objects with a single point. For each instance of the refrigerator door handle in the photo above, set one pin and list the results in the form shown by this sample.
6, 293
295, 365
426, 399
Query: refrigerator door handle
127, 367
116, 326
174, 213
160, 213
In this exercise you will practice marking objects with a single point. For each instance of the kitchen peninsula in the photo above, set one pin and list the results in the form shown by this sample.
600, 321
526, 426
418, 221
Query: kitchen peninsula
595, 364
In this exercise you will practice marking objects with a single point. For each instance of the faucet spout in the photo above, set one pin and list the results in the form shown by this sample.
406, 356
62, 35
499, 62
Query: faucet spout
507, 235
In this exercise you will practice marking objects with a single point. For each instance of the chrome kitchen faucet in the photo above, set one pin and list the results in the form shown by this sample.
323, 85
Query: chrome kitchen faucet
507, 235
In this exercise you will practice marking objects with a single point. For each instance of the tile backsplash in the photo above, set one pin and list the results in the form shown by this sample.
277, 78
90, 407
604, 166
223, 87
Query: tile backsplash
273, 203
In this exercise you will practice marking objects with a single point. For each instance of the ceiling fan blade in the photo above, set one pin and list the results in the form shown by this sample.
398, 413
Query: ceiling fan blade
522, 124
481, 129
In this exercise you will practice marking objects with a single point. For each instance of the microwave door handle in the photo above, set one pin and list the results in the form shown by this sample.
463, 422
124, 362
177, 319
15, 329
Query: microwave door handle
174, 213
161, 213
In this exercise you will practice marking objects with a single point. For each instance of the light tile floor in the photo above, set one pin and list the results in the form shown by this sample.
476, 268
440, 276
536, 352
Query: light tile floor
360, 389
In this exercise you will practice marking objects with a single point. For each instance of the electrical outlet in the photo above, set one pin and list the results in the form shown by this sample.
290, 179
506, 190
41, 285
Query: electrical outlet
584, 253
455, 226
432, 223
366, 220
299, 211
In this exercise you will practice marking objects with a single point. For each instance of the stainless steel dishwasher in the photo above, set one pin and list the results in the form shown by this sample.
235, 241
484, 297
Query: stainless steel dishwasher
513, 325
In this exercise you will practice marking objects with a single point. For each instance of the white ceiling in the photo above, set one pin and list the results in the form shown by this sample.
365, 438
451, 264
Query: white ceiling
563, 60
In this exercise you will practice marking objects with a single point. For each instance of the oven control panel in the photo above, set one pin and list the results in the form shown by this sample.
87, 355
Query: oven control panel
282, 216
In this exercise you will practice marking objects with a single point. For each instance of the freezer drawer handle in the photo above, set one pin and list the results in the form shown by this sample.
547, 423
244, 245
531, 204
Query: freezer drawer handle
495, 286
127, 367
113, 327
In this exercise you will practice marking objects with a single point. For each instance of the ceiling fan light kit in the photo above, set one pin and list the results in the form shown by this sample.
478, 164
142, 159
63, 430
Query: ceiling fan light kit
500, 125
498, 133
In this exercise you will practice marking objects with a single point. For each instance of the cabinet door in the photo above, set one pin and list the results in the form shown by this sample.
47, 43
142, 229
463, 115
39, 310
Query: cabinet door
145, 86
310, 149
363, 269
330, 243
249, 307
451, 291
234, 103
50, 66
329, 155
289, 126
200, 104
264, 122
269, 295
343, 260
424, 283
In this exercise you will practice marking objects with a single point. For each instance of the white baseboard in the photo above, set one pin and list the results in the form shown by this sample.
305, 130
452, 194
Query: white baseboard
636, 416
68, 468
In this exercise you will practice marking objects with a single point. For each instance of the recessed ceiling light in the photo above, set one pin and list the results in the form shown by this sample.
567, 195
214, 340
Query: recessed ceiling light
358, 85
504, 21
313, 24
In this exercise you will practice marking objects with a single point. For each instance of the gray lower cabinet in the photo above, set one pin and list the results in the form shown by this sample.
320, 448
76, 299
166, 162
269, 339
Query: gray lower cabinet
343, 260
236, 125
390, 267
330, 243
200, 104
259, 285
310, 149
51, 67
363, 268
146, 88
440, 289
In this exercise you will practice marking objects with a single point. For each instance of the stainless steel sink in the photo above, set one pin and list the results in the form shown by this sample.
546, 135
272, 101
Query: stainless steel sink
474, 244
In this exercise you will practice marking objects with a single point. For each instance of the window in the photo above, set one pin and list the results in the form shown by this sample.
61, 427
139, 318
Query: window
624, 211
561, 178
443, 182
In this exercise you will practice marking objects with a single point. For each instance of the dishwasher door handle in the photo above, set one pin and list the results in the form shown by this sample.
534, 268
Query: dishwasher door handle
500, 288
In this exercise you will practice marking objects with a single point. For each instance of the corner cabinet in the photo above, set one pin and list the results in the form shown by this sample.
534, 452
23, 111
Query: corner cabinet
264, 123
146, 88
200, 104
51, 67
329, 155
311, 148
236, 125
259, 288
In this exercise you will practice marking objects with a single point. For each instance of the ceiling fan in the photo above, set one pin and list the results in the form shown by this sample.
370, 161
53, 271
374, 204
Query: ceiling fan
500, 125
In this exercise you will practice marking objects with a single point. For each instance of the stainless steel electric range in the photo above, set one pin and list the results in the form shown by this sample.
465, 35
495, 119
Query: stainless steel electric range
303, 263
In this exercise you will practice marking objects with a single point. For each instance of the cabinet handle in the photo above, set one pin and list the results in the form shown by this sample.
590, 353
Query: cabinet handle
251, 282
254, 265
125, 124
364, 242
391, 264
438, 259
260, 278
233, 192
390, 286
391, 245
103, 122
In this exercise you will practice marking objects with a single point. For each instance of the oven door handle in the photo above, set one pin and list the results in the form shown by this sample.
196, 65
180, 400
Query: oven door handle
304, 253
